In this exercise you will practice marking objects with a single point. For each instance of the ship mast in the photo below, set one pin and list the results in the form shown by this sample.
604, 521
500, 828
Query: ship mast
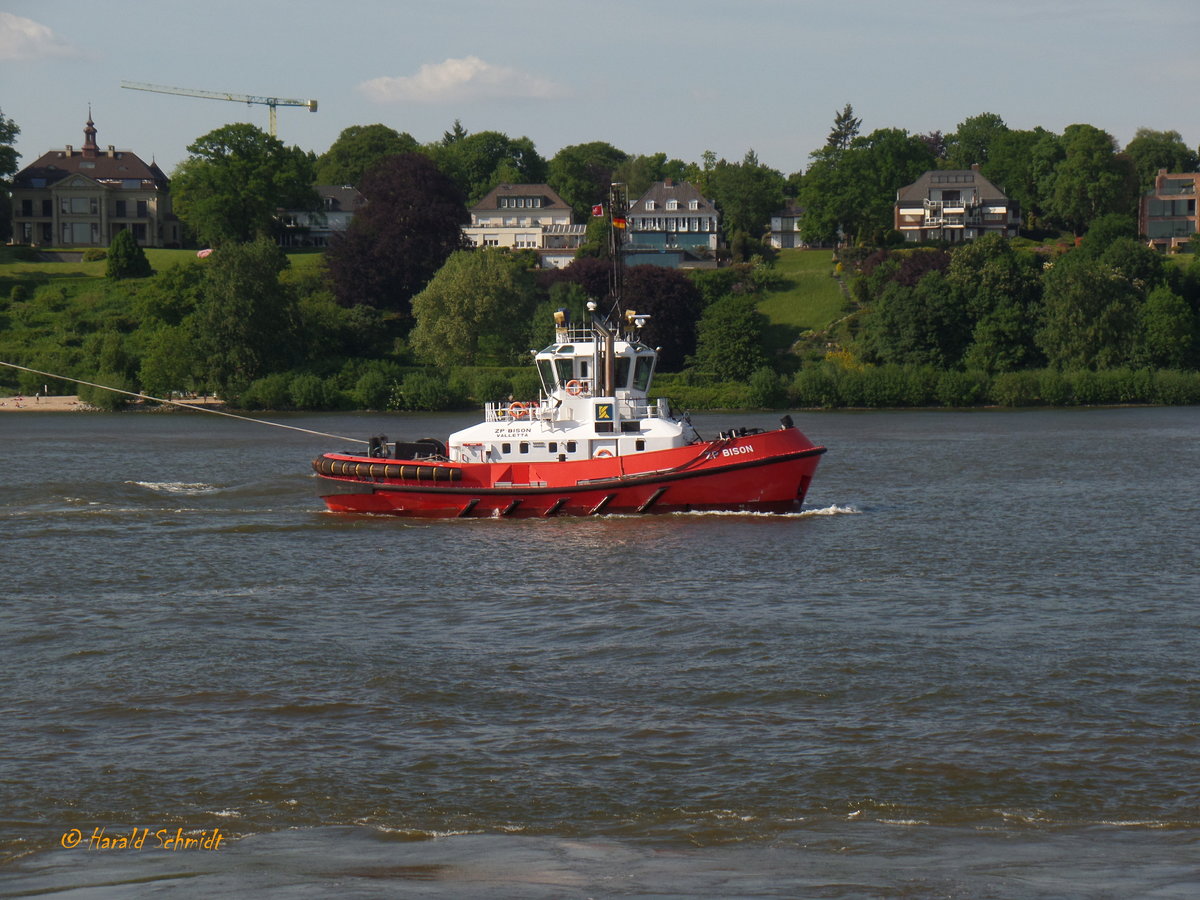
606, 327
618, 207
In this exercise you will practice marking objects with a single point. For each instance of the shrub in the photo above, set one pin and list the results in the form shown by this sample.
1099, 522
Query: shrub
1015, 389
883, 386
270, 392
1054, 388
1175, 388
1096, 388
525, 384
766, 390
920, 385
107, 400
373, 390
94, 254
961, 388
421, 391
487, 386
311, 392
814, 386
126, 259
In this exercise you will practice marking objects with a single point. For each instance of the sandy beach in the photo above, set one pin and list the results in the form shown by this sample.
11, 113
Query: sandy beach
72, 403
20, 403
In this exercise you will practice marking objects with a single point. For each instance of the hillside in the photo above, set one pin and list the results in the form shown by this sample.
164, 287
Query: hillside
806, 297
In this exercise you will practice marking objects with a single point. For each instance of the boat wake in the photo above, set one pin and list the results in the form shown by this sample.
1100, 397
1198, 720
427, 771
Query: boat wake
188, 489
834, 510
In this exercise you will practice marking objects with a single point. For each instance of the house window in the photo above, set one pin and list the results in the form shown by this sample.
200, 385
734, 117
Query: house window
27, 208
649, 204
120, 209
141, 209
47, 207
672, 204
693, 204
139, 232
79, 206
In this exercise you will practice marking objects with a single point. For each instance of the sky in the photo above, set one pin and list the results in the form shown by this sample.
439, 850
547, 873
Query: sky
674, 76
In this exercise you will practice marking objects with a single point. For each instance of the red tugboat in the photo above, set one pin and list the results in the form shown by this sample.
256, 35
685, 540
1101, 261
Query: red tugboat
593, 443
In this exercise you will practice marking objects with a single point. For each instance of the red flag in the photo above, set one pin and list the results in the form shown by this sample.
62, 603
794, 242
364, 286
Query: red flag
618, 223
598, 209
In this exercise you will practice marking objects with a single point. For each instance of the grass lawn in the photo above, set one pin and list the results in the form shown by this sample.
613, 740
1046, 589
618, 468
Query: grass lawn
809, 298
13, 271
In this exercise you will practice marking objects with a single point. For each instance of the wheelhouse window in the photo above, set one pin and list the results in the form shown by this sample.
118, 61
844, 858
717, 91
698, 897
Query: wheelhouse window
622, 372
546, 370
642, 373
565, 369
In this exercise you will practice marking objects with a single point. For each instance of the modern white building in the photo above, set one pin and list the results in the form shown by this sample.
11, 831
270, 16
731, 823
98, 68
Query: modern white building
954, 205
526, 217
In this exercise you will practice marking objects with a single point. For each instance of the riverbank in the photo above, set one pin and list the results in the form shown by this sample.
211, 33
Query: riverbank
38, 403
72, 403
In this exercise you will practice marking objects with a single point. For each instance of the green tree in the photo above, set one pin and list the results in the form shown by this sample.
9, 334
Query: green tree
1167, 331
1018, 162
8, 167
245, 324
852, 192
357, 149
171, 296
845, 129
729, 338
476, 295
1090, 315
235, 179
126, 259
922, 325
747, 193
1104, 230
1153, 150
1141, 266
170, 362
581, 174
638, 173
478, 162
1090, 180
971, 143
1000, 292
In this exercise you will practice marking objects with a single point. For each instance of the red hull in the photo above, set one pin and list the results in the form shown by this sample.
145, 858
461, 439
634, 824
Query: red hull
764, 472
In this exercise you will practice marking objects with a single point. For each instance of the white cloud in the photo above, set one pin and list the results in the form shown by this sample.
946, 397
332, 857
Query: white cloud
469, 78
22, 39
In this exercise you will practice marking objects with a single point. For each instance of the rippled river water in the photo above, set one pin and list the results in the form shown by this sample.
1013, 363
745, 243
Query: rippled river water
968, 668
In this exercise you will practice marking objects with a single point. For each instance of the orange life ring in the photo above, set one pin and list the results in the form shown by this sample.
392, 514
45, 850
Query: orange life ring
603, 453
517, 410
575, 387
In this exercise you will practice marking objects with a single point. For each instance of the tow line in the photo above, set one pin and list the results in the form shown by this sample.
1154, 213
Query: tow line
205, 409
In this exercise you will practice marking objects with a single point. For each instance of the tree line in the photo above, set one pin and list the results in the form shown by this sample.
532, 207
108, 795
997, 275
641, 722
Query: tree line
398, 313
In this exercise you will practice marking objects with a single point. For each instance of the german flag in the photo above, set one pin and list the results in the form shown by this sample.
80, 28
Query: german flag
619, 223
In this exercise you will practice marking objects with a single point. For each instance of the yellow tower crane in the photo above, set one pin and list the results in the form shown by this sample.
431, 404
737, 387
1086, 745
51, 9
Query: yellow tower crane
270, 102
